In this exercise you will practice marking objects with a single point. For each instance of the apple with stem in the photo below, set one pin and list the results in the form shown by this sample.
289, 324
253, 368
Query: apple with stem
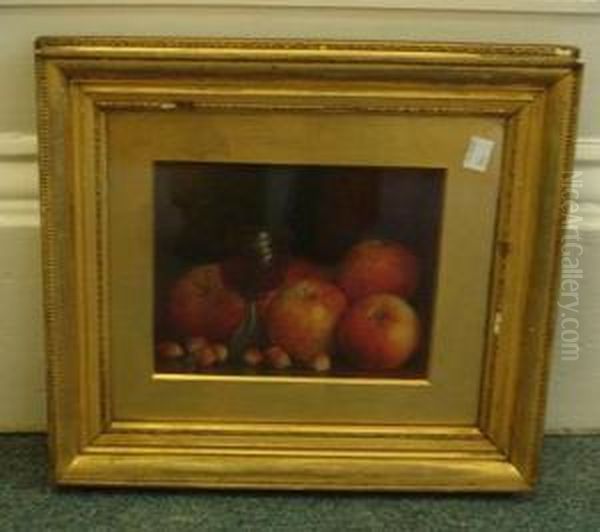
296, 269
200, 305
302, 317
379, 332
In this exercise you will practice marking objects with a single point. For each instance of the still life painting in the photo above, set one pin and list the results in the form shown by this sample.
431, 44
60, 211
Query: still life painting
296, 264
295, 270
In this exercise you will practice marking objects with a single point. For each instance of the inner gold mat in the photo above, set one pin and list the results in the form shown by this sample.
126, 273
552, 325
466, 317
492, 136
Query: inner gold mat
136, 141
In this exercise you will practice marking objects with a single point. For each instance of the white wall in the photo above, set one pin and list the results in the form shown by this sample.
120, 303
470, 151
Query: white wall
575, 378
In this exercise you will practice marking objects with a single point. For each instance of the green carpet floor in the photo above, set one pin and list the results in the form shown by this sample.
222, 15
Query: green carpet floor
567, 498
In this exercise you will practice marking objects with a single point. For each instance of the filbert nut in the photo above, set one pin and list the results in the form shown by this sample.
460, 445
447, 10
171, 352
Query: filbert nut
205, 357
170, 350
253, 357
321, 363
221, 352
278, 358
196, 344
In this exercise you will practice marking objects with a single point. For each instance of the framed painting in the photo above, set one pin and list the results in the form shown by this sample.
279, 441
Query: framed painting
299, 264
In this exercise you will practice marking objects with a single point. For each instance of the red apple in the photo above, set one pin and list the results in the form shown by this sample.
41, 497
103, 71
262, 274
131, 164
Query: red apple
199, 304
379, 332
377, 266
295, 270
300, 268
302, 316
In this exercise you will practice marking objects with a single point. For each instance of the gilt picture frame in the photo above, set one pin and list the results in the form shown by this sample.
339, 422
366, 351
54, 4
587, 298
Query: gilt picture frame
278, 264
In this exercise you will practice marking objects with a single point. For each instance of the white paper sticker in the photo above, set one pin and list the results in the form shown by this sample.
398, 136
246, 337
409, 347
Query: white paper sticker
478, 154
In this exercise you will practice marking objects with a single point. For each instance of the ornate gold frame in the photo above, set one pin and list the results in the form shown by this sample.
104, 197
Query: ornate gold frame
530, 91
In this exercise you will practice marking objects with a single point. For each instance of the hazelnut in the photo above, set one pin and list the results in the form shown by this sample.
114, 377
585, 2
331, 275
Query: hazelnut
205, 357
196, 344
221, 352
253, 357
278, 358
321, 363
169, 350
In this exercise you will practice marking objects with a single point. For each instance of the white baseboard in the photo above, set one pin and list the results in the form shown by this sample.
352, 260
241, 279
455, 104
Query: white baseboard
22, 367
588, 151
573, 7
572, 408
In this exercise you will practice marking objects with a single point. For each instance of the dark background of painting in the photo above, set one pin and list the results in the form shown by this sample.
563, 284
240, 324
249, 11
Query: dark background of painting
204, 213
